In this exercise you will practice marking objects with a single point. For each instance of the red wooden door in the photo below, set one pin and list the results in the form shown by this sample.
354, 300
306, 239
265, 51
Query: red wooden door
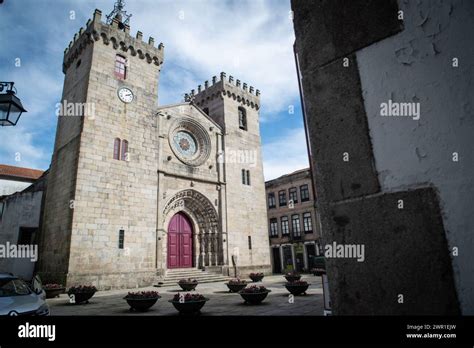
180, 242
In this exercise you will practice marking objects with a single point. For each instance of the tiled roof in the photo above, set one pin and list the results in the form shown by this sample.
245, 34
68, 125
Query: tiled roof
19, 172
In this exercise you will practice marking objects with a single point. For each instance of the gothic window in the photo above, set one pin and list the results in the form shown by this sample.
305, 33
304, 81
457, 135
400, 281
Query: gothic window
271, 200
243, 176
250, 243
293, 195
282, 198
125, 150
295, 225
242, 118
117, 148
248, 177
273, 227
284, 226
307, 223
304, 193
120, 67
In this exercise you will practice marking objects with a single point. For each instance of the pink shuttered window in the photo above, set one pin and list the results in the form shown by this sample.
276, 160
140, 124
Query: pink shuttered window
124, 150
117, 148
120, 67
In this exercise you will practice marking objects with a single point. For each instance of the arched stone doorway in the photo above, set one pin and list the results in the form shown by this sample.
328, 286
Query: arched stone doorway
180, 242
207, 239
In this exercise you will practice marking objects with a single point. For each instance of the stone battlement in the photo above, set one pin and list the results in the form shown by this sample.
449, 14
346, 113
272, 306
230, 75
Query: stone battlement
120, 39
227, 87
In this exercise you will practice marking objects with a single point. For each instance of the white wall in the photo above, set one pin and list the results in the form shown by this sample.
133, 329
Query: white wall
7, 187
416, 65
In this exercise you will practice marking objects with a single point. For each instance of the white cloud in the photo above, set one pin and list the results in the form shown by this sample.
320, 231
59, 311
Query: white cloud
18, 149
285, 155
251, 40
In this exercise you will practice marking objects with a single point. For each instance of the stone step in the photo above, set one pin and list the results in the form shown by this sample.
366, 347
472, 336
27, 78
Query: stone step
187, 272
167, 282
173, 276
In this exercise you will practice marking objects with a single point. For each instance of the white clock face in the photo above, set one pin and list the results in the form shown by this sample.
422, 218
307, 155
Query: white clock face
125, 94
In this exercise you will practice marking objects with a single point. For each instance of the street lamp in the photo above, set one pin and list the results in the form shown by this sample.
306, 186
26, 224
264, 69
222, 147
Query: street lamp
10, 105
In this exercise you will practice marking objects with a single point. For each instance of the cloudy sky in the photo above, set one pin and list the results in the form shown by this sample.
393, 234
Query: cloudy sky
251, 40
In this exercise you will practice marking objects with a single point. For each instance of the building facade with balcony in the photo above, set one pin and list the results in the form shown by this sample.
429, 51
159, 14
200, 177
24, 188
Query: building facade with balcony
294, 228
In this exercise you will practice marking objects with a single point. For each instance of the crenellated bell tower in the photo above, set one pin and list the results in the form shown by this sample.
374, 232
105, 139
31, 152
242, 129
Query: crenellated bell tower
235, 107
102, 182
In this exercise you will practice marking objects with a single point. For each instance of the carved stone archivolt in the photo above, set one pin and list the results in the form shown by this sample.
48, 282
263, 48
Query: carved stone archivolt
200, 135
208, 240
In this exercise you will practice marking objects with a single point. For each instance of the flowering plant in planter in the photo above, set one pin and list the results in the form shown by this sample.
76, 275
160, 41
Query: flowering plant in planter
53, 286
187, 281
188, 297
236, 284
188, 284
256, 277
237, 281
292, 276
142, 295
297, 287
253, 289
298, 283
189, 303
81, 293
254, 294
53, 290
82, 289
318, 271
142, 300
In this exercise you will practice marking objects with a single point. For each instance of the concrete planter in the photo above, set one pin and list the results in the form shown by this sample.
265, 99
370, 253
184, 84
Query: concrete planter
297, 289
141, 304
254, 298
236, 287
189, 307
188, 286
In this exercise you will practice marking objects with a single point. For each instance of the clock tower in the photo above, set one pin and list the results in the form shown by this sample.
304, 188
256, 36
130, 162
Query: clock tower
102, 184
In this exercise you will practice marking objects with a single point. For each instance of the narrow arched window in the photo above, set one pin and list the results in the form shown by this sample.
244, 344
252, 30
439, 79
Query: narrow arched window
125, 150
120, 67
206, 111
117, 148
242, 118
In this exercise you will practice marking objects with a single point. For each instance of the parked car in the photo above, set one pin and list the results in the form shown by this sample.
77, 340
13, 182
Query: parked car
17, 297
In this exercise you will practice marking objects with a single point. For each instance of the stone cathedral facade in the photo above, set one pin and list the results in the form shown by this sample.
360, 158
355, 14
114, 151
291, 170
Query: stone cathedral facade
136, 189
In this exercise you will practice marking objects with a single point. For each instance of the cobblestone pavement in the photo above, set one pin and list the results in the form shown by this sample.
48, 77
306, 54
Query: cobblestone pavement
221, 301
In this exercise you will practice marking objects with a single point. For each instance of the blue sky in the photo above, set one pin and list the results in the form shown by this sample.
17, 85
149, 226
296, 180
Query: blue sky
250, 40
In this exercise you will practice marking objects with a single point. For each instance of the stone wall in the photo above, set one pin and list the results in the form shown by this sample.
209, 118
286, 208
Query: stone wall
22, 209
406, 253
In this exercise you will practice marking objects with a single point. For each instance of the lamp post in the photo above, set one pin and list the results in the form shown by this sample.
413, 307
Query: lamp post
10, 105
